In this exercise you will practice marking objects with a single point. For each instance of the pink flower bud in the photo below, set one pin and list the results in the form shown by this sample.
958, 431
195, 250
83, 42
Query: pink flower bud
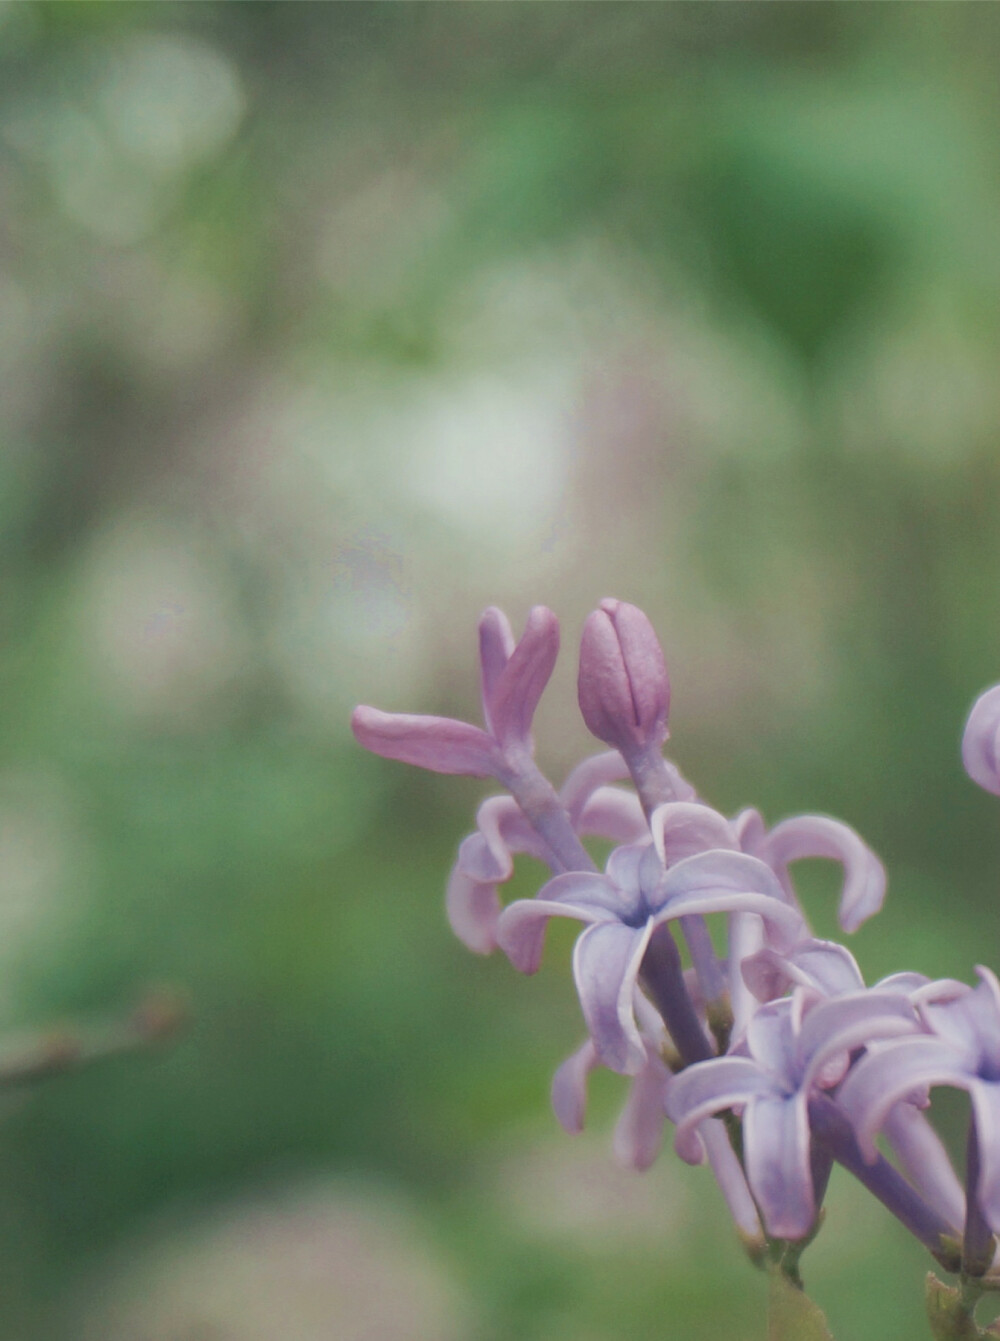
623, 687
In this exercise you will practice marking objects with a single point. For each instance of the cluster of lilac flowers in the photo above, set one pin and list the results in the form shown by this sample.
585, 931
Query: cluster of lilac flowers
770, 1055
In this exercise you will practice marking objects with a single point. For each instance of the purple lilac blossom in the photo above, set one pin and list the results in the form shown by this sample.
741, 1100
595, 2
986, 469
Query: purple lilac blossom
623, 908
961, 1048
792, 1047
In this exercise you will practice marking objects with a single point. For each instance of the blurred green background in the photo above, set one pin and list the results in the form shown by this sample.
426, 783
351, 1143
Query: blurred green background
322, 327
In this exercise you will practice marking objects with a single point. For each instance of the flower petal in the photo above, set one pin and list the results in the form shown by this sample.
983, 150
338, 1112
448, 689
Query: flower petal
981, 741
708, 1088
639, 1130
485, 861
437, 743
892, 1073
683, 828
730, 882
819, 836
586, 888
776, 1150
730, 1177
496, 643
614, 814
823, 965
520, 684
473, 908
606, 962
986, 1110
593, 772
569, 1088
925, 1162
841, 1024
521, 927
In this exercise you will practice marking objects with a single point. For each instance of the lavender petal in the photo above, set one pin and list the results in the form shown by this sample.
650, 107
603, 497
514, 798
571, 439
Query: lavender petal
569, 1088
892, 1073
820, 836
776, 1149
925, 1162
521, 927
730, 1177
706, 1089
606, 961
520, 684
496, 643
981, 741
986, 1109
685, 828
436, 743
639, 1131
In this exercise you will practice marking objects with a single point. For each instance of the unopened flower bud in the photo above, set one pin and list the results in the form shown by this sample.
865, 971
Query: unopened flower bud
623, 687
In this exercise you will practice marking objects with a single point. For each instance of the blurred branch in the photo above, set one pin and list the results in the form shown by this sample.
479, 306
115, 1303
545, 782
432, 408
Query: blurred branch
159, 1017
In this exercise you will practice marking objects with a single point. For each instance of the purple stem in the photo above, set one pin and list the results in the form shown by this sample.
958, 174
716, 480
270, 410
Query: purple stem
663, 977
832, 1128
977, 1241
545, 813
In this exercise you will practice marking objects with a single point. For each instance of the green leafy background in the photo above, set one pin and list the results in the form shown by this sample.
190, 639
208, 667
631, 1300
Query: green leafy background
322, 327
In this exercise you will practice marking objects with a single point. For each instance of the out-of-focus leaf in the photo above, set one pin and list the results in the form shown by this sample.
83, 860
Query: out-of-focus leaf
792, 1315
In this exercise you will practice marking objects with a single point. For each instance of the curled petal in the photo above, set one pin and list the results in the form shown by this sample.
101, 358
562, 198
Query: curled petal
485, 861
521, 927
981, 741
706, 1089
819, 836
606, 962
514, 695
613, 814
684, 828
473, 909
569, 1088
639, 1130
776, 1145
893, 1073
825, 966
437, 743
581, 783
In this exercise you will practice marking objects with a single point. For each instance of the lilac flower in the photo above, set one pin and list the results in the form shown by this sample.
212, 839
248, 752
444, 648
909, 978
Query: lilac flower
792, 1048
624, 908
981, 741
513, 676
962, 1049
485, 858
623, 687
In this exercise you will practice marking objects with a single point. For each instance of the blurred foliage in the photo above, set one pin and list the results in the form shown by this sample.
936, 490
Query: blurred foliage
322, 326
